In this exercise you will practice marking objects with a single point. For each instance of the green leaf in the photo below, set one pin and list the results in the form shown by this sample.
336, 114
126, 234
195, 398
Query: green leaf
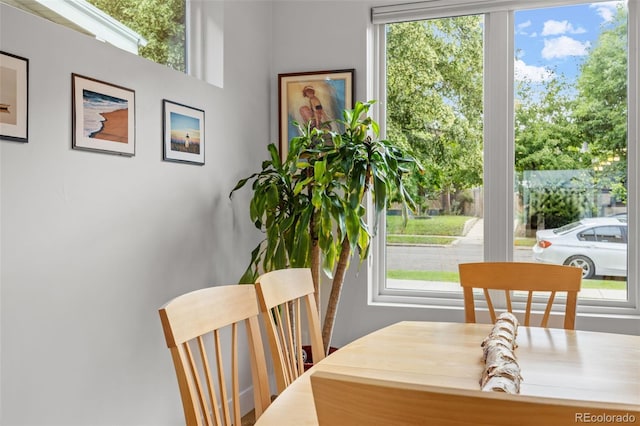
275, 156
319, 168
380, 190
241, 183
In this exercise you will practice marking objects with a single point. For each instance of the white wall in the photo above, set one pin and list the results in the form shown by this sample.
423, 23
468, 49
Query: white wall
93, 244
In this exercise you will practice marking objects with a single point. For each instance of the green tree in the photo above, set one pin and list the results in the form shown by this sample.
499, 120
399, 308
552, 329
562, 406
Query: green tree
161, 22
601, 107
558, 127
434, 94
546, 136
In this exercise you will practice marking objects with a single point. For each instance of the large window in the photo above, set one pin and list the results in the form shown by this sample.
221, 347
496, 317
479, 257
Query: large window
523, 122
434, 109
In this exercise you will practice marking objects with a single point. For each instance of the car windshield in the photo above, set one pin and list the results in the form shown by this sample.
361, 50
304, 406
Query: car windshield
566, 228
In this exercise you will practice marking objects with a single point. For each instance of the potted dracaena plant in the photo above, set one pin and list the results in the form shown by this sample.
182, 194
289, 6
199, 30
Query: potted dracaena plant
313, 205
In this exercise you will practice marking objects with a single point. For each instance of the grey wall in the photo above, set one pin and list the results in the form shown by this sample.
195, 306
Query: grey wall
93, 244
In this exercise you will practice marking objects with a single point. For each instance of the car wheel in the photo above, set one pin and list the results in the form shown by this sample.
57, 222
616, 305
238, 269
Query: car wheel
584, 263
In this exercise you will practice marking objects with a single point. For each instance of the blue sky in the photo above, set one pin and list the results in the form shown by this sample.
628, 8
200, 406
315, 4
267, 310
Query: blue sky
557, 39
183, 122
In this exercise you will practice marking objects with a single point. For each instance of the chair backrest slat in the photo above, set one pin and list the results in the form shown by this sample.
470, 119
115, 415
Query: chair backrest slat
290, 314
213, 402
283, 294
222, 380
547, 311
235, 381
521, 276
507, 295
209, 318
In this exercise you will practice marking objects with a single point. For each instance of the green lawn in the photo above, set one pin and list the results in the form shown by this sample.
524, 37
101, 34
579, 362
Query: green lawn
453, 277
434, 225
419, 239
524, 242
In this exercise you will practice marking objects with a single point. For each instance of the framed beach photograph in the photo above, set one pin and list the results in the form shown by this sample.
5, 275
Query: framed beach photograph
103, 116
14, 97
316, 98
183, 133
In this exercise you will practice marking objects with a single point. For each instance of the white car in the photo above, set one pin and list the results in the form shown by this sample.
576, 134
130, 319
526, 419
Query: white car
597, 245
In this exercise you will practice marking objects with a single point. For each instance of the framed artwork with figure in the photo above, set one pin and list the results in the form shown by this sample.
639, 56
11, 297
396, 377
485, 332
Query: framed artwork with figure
183, 133
315, 98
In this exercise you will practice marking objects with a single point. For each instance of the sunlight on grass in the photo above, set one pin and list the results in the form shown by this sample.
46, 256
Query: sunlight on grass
419, 239
435, 225
524, 242
453, 277
441, 276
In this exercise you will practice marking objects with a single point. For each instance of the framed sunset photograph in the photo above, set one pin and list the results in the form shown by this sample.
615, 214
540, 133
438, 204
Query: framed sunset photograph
183, 133
103, 116
14, 97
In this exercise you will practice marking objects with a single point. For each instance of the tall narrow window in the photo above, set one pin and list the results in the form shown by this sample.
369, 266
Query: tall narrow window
571, 141
434, 108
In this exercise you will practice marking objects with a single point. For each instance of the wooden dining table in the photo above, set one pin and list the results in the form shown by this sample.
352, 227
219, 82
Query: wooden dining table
557, 363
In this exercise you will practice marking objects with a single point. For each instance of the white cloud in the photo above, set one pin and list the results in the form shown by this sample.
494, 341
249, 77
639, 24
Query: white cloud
564, 46
520, 27
607, 9
522, 71
553, 27
525, 24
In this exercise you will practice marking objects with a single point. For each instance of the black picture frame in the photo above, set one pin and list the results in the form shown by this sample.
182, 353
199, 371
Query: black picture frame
183, 133
14, 97
103, 116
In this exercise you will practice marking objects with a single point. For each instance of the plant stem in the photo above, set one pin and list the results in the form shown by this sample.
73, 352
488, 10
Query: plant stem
334, 296
315, 270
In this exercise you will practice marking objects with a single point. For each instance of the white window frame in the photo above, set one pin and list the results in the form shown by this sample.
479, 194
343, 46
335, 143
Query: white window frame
499, 145
82, 16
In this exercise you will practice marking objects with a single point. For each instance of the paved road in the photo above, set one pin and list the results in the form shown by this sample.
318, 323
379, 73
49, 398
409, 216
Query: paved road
427, 258
446, 258
468, 249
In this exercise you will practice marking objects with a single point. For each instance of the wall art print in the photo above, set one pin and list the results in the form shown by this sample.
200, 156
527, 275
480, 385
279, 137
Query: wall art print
103, 116
183, 133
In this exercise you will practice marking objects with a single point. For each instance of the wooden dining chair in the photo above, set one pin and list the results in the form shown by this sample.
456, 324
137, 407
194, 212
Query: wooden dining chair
521, 276
282, 295
347, 400
196, 325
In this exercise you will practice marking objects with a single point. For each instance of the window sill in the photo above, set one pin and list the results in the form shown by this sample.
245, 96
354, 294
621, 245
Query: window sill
622, 320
